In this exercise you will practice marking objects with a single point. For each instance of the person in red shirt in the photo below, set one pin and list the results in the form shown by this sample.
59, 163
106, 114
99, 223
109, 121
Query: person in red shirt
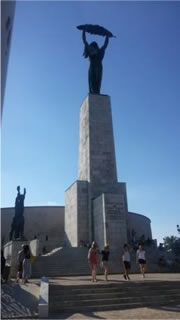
93, 260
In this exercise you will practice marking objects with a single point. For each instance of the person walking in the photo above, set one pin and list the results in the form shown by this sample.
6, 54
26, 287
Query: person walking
26, 264
93, 260
141, 259
105, 257
20, 263
126, 261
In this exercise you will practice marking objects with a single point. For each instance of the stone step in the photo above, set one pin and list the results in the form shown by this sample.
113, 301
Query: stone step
54, 274
124, 285
76, 264
79, 262
115, 300
61, 272
76, 261
76, 272
112, 296
85, 262
154, 301
61, 298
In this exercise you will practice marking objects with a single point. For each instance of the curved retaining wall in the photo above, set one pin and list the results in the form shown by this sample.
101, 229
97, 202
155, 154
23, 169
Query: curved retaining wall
39, 222
49, 221
140, 224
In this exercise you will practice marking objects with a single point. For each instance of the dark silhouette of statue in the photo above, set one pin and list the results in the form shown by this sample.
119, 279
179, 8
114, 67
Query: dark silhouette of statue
17, 226
95, 55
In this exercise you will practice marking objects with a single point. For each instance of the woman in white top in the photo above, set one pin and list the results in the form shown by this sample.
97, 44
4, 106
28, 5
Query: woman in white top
126, 261
141, 259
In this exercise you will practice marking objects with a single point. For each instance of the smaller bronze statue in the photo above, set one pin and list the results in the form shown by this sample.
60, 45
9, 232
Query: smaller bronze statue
17, 226
95, 55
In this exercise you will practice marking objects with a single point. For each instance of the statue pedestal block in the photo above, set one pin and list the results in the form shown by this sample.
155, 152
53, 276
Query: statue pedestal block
76, 213
109, 220
97, 162
96, 204
11, 250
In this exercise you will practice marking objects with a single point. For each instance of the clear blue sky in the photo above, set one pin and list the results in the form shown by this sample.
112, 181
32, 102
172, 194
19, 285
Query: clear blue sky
47, 82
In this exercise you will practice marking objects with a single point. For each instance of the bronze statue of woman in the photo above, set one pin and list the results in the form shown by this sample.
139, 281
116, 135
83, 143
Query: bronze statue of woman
96, 56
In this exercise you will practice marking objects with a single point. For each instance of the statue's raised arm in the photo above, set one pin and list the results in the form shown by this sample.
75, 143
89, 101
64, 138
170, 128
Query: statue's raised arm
106, 42
84, 37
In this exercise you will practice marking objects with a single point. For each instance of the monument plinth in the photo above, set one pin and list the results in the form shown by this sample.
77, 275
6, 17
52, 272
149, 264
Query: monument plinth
96, 204
97, 162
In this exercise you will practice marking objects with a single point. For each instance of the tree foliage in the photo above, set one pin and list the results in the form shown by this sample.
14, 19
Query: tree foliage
172, 243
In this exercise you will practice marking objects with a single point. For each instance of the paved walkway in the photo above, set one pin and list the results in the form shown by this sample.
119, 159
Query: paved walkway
19, 301
160, 313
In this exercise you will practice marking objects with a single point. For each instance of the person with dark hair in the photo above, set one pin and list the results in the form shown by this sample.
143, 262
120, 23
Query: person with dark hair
126, 261
20, 263
105, 257
26, 264
93, 260
44, 251
141, 259
95, 55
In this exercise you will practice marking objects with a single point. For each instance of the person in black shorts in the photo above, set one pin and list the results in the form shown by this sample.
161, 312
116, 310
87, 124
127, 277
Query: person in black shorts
105, 258
141, 259
126, 261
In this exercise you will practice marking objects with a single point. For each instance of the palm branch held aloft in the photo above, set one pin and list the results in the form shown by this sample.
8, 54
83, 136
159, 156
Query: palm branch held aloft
96, 56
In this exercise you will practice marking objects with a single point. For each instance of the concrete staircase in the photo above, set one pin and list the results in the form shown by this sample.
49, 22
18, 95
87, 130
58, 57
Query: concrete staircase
73, 261
65, 261
112, 296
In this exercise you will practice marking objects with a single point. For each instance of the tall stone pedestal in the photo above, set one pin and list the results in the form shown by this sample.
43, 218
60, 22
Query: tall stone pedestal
96, 204
11, 250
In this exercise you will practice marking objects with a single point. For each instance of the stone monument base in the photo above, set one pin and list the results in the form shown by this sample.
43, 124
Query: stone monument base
76, 213
109, 221
96, 204
11, 250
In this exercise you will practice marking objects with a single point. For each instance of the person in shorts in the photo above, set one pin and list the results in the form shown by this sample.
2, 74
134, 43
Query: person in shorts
141, 259
105, 257
126, 261
93, 260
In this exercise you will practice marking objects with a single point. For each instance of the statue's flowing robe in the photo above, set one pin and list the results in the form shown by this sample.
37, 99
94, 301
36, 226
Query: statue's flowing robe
95, 69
